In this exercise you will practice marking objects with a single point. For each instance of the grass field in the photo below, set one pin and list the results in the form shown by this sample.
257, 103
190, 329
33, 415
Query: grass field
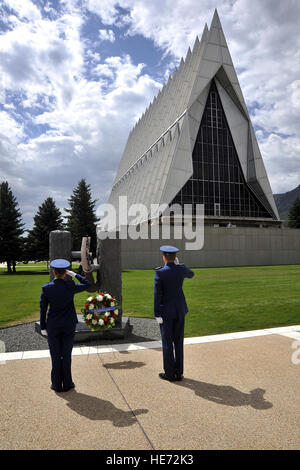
220, 299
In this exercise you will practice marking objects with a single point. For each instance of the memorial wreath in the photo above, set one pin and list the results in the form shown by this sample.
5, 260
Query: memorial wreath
100, 311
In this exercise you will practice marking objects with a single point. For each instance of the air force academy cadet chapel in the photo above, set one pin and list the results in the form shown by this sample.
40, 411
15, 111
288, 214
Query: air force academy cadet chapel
195, 144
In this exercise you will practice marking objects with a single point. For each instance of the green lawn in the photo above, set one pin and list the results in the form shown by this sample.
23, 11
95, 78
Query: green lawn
20, 293
220, 299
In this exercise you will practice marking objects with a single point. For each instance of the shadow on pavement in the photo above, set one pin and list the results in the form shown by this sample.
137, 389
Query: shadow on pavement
124, 365
97, 409
108, 341
226, 394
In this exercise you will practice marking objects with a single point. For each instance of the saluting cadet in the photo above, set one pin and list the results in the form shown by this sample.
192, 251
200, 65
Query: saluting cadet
170, 309
61, 321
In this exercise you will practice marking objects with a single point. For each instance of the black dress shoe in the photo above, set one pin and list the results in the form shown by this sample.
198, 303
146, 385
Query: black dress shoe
69, 388
166, 377
178, 377
56, 389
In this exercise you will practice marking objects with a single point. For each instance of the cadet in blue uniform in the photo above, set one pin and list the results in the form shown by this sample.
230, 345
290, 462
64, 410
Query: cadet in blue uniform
61, 322
170, 309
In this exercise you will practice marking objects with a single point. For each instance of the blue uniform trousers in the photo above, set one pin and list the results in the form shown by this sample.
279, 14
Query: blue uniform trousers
172, 335
60, 340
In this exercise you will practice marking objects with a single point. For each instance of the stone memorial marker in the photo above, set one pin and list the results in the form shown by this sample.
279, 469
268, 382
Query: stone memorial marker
109, 279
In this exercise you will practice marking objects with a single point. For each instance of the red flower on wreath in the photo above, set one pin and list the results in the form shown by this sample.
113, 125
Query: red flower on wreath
86, 305
94, 301
105, 319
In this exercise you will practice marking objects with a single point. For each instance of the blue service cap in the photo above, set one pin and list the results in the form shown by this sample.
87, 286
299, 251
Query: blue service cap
169, 249
60, 264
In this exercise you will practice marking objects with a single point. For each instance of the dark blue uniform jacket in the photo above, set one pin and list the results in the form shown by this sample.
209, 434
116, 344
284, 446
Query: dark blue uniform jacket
169, 300
59, 295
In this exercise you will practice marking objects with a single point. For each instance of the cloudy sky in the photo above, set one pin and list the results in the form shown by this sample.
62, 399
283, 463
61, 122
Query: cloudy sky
75, 75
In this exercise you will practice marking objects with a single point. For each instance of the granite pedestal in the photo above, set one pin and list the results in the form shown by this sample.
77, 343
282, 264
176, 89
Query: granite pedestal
84, 333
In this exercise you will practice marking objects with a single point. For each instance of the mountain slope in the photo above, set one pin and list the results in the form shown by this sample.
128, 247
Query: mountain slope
285, 200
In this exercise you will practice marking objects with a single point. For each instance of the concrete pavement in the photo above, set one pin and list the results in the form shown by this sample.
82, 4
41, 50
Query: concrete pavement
240, 393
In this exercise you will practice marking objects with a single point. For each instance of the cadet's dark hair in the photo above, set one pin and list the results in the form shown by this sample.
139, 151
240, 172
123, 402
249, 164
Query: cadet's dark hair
170, 256
59, 271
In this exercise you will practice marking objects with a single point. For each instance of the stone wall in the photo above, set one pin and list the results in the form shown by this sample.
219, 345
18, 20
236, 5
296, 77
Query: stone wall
222, 247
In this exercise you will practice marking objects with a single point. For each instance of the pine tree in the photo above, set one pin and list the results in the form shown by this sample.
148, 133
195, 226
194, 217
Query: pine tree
294, 214
11, 228
82, 218
47, 218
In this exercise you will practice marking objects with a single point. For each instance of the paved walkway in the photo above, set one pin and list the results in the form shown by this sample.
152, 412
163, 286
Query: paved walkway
241, 391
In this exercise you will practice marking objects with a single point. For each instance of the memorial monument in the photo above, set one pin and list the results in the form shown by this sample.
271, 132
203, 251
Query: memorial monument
108, 279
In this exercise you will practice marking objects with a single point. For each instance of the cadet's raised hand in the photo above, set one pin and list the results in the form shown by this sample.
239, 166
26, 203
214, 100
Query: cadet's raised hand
71, 273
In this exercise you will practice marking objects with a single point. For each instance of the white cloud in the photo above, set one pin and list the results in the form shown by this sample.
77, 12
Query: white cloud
86, 127
93, 56
24, 9
282, 160
106, 9
107, 35
10, 130
42, 57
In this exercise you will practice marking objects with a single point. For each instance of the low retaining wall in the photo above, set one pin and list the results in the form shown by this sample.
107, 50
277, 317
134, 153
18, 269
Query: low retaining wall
222, 247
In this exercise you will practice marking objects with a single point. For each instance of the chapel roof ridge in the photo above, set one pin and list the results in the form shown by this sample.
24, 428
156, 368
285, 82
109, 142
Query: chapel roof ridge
179, 70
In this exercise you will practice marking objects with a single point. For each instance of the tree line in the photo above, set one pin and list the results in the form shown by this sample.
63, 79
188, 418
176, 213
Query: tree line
16, 245
80, 221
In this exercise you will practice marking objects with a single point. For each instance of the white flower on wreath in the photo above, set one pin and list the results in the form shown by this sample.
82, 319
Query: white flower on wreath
94, 322
107, 314
112, 321
91, 307
89, 299
113, 304
116, 311
99, 298
108, 297
101, 322
89, 316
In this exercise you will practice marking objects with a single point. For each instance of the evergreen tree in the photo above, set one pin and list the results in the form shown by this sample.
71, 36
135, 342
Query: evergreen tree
82, 218
47, 218
11, 228
294, 214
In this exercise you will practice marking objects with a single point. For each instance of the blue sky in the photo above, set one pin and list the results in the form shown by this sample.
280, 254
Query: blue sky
75, 75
